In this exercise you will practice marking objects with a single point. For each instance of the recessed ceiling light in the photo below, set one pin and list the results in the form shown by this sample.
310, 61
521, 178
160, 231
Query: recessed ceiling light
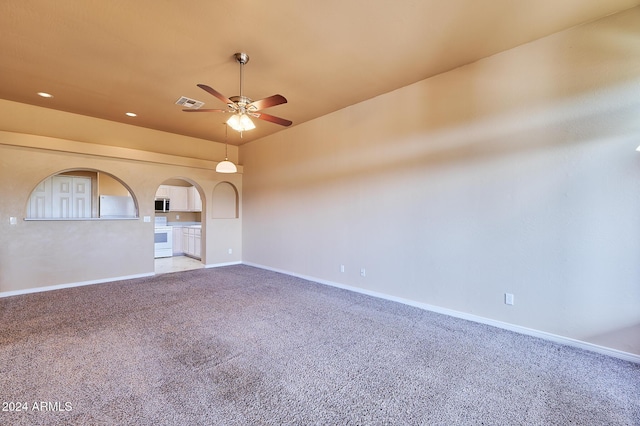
132, 114
45, 95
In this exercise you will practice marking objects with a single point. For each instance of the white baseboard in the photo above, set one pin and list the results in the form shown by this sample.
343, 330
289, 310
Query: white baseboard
105, 280
218, 265
627, 356
69, 285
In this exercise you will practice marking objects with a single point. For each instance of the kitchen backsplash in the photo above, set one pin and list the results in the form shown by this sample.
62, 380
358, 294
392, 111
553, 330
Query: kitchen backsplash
181, 216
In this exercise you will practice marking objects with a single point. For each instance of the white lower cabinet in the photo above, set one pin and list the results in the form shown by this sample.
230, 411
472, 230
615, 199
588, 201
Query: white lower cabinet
177, 241
196, 243
191, 242
185, 240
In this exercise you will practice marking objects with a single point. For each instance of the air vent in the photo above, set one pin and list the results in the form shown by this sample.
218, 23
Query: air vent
189, 103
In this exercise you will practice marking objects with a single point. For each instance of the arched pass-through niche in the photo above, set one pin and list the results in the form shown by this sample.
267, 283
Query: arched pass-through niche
225, 201
81, 194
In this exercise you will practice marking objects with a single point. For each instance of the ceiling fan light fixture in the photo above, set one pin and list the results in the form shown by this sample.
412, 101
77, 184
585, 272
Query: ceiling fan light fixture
246, 122
241, 123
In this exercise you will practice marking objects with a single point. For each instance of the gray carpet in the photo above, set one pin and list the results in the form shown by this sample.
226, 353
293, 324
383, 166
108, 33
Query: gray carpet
243, 346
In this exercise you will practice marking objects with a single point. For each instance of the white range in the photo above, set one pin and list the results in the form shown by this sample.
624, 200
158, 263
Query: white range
163, 238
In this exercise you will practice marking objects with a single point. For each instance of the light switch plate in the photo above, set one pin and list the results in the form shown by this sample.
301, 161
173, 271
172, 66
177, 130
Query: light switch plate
508, 298
13, 220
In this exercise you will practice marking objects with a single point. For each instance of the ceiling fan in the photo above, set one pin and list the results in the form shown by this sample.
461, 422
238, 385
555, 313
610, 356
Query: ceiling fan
243, 107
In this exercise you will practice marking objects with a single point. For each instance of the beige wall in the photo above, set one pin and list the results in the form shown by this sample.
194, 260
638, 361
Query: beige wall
515, 174
110, 186
36, 254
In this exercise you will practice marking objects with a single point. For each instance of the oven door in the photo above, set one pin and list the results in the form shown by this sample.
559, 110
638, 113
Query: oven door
163, 241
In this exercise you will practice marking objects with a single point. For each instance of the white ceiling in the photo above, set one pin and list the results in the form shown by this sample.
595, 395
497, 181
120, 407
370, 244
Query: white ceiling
103, 58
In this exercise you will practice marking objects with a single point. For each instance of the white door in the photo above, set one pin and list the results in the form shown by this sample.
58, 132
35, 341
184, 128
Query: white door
81, 197
62, 196
71, 197
40, 201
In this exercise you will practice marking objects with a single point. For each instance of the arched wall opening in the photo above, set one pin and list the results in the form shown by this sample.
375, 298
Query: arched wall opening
179, 227
81, 194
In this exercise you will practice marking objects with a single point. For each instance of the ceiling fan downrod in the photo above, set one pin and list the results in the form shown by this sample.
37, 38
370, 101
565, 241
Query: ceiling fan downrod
242, 58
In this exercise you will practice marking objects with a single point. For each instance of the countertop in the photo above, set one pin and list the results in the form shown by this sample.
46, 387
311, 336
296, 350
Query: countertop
185, 224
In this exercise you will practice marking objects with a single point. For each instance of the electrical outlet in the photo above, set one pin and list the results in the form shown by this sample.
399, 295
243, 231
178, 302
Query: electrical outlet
363, 272
230, 251
341, 268
177, 217
508, 299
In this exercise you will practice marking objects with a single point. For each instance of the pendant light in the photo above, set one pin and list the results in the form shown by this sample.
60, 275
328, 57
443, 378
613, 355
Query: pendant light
226, 166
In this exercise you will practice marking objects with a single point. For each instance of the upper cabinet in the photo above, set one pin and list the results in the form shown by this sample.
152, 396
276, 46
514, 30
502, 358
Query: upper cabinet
178, 197
163, 191
181, 198
193, 200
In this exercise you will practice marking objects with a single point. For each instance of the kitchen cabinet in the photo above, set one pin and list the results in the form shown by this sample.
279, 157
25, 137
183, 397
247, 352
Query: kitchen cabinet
177, 241
163, 191
194, 201
178, 197
191, 241
182, 198
185, 240
196, 244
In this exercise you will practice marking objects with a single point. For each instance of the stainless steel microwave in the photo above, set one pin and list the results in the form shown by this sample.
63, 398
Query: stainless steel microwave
162, 204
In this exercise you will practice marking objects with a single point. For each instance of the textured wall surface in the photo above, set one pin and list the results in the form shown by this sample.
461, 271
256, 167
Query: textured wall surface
38, 254
517, 173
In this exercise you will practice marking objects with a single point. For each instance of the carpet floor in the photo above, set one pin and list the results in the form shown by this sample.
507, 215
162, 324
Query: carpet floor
243, 346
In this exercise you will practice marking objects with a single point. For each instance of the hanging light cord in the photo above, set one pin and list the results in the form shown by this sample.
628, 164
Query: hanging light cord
226, 129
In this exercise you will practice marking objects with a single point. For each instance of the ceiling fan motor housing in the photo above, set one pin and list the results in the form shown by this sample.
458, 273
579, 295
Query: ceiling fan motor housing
242, 104
241, 100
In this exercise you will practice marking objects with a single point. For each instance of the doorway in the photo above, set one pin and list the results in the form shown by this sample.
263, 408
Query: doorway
181, 216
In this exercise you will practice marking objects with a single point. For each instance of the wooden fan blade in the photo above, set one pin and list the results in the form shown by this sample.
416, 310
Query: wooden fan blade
268, 102
205, 110
273, 119
215, 93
